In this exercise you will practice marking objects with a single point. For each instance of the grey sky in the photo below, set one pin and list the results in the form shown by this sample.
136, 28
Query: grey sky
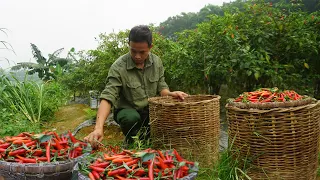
53, 24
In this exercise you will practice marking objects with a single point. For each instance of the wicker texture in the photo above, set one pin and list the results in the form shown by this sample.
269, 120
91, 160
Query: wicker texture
283, 142
61, 170
191, 126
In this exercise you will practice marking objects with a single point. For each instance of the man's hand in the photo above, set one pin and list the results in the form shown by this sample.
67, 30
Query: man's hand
102, 114
94, 137
178, 94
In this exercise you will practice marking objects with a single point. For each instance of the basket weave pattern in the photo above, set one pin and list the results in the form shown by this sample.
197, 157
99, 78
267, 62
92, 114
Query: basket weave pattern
283, 142
48, 171
191, 126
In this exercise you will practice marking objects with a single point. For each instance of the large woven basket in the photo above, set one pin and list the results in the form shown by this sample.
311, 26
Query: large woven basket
191, 126
48, 171
282, 142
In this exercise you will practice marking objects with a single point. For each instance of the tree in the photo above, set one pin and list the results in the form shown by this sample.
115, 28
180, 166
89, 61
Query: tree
186, 21
46, 68
91, 71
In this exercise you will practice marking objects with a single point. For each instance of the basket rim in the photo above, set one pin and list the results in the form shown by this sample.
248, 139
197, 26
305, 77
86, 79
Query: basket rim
153, 100
311, 105
270, 105
44, 164
41, 164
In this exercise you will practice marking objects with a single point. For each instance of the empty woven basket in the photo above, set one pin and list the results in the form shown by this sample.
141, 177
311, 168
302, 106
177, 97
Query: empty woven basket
282, 142
191, 126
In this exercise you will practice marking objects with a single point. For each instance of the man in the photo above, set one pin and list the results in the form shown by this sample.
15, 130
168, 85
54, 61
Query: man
132, 79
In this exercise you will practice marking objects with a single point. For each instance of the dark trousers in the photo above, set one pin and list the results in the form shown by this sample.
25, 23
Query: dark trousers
133, 122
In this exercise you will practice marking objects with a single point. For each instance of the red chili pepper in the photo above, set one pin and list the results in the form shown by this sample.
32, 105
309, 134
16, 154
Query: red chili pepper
121, 160
122, 153
238, 99
150, 168
2, 150
139, 172
102, 165
98, 169
161, 154
96, 174
167, 156
31, 143
117, 171
48, 152
41, 158
72, 138
266, 94
266, 100
21, 141
130, 163
161, 163
175, 176
18, 160
27, 160
5, 145
91, 176
109, 158
121, 178
253, 97
179, 173
184, 168
57, 136
17, 152
20, 135
168, 161
179, 158
11, 139
79, 149
26, 134
58, 145
128, 152
189, 162
83, 143
72, 153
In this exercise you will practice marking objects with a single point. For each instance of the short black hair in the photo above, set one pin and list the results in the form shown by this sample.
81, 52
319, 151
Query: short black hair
141, 33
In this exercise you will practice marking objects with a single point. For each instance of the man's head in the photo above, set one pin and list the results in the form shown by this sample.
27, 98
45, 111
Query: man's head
140, 42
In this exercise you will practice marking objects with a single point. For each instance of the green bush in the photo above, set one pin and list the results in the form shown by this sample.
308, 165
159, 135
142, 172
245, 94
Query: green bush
30, 100
13, 124
55, 96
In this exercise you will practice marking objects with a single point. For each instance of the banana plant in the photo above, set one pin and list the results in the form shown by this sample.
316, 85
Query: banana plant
46, 68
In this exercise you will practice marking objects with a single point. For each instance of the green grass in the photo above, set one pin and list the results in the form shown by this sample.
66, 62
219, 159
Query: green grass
231, 166
13, 124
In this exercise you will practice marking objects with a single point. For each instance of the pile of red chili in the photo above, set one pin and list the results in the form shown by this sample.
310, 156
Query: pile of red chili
144, 165
45, 147
265, 95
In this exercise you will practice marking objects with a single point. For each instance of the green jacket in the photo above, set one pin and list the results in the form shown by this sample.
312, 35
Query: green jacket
130, 87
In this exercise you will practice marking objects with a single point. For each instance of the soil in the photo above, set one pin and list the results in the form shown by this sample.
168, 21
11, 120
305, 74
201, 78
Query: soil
70, 116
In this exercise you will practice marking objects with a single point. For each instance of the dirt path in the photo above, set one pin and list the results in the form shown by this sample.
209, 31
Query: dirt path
71, 116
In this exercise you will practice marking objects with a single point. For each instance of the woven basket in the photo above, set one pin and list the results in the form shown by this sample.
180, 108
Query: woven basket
191, 126
282, 142
61, 170
48, 171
